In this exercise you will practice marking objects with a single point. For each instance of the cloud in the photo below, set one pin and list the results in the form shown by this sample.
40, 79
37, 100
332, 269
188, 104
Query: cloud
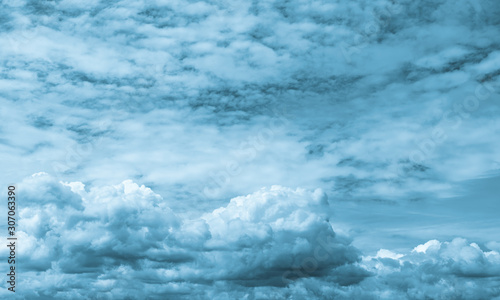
124, 237
205, 76
435, 270
283, 234
124, 241
390, 109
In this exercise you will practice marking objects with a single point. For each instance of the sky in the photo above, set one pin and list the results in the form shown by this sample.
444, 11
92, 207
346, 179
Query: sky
252, 150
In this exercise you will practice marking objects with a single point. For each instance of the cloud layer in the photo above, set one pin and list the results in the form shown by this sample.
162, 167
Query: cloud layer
378, 94
119, 240
123, 241
388, 109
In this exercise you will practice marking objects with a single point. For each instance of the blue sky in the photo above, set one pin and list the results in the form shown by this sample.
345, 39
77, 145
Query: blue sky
206, 150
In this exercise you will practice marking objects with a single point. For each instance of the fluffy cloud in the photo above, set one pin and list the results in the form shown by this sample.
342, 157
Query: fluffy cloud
281, 234
435, 270
123, 238
124, 241
369, 88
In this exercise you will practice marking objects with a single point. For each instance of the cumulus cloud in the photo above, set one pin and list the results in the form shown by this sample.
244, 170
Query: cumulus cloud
118, 239
124, 241
283, 233
435, 270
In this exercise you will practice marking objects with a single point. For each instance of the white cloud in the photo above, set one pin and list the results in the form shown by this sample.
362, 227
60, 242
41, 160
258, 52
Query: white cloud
429, 246
108, 234
121, 239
